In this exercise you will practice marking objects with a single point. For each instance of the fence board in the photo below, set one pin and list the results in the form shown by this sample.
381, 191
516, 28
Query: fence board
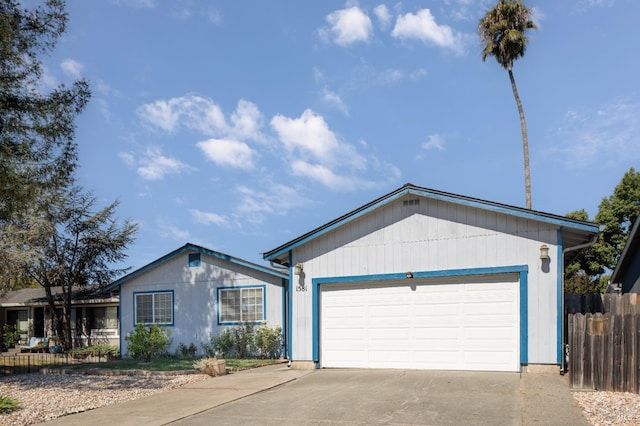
604, 347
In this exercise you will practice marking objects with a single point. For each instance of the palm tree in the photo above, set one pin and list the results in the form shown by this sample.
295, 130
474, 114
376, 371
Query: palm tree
502, 31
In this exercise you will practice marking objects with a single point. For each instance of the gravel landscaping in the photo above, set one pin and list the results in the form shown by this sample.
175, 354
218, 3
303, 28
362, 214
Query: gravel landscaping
609, 408
45, 397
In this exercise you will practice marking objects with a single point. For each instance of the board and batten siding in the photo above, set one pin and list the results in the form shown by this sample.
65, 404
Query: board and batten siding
433, 235
195, 296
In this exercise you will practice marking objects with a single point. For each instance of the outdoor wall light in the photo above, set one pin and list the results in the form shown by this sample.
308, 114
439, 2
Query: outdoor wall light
297, 269
544, 252
409, 275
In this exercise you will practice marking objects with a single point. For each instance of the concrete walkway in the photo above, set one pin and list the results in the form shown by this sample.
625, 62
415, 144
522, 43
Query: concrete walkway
348, 396
175, 404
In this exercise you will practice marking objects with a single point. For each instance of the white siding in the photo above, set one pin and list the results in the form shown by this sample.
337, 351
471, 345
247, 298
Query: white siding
434, 236
195, 296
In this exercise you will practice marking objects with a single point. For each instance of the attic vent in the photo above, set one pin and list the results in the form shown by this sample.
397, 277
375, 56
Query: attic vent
411, 202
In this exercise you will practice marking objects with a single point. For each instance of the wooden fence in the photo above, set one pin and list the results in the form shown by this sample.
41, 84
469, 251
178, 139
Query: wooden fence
604, 341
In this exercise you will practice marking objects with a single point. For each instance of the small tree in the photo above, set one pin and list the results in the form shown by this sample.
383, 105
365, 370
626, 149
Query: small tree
146, 342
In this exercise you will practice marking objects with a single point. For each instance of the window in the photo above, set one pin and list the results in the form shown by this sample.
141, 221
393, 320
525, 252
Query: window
241, 304
104, 317
154, 308
194, 260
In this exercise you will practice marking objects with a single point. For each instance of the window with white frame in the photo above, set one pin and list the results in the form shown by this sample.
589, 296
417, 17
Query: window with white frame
244, 304
154, 308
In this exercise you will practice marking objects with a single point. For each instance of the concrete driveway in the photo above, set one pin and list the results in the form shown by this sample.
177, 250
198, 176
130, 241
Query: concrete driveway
404, 397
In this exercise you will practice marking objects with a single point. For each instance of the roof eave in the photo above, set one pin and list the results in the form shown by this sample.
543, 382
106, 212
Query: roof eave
563, 222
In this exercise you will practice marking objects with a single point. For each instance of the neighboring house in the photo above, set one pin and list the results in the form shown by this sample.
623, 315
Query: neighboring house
94, 314
196, 293
627, 273
423, 279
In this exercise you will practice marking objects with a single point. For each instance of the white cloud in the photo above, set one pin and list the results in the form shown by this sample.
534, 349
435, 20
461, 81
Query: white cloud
227, 152
434, 142
315, 152
247, 121
214, 16
72, 68
205, 117
275, 199
153, 165
383, 15
192, 112
347, 26
609, 134
323, 175
149, 4
423, 26
333, 99
175, 233
584, 5
207, 218
309, 134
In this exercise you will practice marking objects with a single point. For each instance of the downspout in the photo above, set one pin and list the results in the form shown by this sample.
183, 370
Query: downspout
563, 361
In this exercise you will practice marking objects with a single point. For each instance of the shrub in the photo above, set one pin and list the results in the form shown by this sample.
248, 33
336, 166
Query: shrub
99, 349
10, 336
245, 342
268, 341
8, 404
185, 351
242, 336
146, 342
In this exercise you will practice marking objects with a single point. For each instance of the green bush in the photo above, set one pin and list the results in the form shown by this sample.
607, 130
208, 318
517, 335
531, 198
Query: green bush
99, 349
185, 351
244, 341
8, 404
10, 336
146, 342
268, 341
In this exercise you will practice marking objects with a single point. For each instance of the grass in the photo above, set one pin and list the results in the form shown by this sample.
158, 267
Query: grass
7, 404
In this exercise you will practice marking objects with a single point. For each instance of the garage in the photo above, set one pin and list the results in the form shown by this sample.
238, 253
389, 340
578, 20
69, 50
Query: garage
454, 323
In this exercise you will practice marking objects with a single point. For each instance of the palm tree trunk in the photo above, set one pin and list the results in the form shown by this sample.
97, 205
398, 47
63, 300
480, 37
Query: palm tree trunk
525, 141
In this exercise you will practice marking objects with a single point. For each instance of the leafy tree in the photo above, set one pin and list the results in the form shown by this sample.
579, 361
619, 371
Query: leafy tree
75, 247
37, 152
502, 31
589, 272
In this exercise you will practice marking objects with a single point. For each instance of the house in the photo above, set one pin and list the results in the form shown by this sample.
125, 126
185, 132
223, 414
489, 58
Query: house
626, 275
196, 293
423, 279
94, 314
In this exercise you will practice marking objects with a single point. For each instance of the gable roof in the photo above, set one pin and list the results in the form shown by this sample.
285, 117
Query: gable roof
37, 296
576, 231
630, 249
195, 248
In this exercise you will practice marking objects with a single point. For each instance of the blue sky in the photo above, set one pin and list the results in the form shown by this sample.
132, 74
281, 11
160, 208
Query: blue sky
241, 125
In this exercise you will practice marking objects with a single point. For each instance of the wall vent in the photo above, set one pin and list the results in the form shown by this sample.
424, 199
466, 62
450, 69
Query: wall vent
414, 202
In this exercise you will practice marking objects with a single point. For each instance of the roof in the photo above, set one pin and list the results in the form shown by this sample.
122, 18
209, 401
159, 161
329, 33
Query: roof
576, 232
630, 249
195, 248
37, 296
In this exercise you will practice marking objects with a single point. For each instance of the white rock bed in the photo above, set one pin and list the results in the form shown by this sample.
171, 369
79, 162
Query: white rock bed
45, 397
609, 408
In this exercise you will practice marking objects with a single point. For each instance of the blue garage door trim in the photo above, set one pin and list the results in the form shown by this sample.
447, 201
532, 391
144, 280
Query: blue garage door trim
522, 270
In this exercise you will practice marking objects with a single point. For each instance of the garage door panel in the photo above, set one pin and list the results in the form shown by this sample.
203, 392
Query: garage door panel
430, 324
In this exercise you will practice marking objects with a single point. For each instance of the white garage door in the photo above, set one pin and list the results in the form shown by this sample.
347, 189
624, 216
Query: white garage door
466, 323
